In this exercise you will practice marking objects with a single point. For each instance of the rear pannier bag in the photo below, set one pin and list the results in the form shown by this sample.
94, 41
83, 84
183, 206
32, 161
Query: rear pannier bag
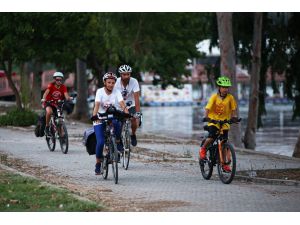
89, 141
39, 130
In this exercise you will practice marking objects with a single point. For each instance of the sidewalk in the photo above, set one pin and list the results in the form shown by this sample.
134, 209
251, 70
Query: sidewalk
163, 175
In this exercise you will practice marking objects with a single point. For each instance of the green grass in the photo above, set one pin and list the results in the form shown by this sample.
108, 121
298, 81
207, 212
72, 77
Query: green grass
23, 194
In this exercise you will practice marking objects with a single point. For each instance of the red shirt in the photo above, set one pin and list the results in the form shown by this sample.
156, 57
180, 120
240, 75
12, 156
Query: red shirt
56, 93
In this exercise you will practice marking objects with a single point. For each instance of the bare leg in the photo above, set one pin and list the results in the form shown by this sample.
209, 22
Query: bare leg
207, 142
48, 114
134, 125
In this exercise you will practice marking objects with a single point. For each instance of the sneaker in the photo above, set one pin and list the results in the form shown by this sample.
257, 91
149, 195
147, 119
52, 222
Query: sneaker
226, 168
98, 169
133, 140
47, 131
202, 153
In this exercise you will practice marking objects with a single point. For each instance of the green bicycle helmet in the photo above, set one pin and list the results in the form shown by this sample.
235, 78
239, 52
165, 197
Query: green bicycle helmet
223, 81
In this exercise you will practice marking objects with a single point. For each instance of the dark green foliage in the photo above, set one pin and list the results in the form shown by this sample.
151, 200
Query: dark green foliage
280, 51
17, 117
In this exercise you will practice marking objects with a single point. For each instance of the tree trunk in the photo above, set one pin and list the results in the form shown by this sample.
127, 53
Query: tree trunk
297, 148
8, 72
81, 108
250, 133
25, 88
228, 64
36, 92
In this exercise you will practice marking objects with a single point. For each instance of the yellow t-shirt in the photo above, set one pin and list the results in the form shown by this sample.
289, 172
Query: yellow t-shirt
220, 109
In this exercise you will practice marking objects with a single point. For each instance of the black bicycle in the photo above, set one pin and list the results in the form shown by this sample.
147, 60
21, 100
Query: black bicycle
125, 156
58, 129
219, 153
110, 153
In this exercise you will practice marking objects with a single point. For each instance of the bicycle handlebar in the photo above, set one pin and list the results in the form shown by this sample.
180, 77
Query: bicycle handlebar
221, 122
58, 101
106, 116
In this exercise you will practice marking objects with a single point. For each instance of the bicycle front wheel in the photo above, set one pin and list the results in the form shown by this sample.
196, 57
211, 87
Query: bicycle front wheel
63, 138
51, 141
206, 165
229, 158
126, 153
104, 166
114, 156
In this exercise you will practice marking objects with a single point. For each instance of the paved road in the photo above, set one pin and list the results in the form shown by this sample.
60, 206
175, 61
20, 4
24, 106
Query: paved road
152, 184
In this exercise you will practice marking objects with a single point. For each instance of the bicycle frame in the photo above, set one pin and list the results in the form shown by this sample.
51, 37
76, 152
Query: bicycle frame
221, 153
58, 128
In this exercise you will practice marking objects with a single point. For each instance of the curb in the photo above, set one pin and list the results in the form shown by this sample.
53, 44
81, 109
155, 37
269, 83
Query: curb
243, 150
269, 181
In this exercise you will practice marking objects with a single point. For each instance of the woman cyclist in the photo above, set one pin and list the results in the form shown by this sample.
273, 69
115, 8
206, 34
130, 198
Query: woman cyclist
106, 97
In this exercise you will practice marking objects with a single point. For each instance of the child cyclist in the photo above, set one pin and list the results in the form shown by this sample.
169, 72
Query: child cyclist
106, 97
221, 106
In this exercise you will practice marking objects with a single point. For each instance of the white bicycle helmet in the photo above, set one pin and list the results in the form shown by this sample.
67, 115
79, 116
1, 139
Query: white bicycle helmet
58, 74
125, 69
109, 75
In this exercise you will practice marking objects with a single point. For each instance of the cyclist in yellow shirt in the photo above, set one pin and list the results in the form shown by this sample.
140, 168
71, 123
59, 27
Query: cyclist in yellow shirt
220, 106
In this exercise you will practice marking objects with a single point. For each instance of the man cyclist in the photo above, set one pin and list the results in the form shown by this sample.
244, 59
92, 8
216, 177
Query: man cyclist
106, 97
55, 91
130, 90
220, 106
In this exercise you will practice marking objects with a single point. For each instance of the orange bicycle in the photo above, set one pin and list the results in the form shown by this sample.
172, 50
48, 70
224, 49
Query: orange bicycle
220, 152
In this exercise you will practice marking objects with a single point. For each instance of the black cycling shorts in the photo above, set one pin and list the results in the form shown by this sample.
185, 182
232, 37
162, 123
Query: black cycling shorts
213, 132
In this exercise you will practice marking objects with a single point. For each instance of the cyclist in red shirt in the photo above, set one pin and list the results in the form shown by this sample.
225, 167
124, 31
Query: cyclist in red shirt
55, 91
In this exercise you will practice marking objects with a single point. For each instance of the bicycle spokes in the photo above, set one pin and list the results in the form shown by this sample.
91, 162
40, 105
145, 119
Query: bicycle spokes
227, 169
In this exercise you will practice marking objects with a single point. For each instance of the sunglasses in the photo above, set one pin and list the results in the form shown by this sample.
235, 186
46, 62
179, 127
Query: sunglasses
58, 80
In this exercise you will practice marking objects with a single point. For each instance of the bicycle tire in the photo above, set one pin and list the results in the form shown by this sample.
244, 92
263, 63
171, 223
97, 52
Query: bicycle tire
51, 141
64, 141
114, 156
227, 177
104, 166
206, 167
127, 150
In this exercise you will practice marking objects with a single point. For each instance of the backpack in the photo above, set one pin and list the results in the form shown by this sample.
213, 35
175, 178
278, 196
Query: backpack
89, 141
39, 130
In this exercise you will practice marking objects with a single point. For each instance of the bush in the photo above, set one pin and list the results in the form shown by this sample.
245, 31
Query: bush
16, 117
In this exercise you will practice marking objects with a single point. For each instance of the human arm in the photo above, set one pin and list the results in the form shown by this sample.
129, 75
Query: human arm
45, 94
136, 96
96, 108
67, 96
205, 118
234, 113
123, 106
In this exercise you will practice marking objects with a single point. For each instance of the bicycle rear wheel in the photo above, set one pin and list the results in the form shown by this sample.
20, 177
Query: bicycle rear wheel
63, 139
114, 156
230, 160
51, 140
126, 153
